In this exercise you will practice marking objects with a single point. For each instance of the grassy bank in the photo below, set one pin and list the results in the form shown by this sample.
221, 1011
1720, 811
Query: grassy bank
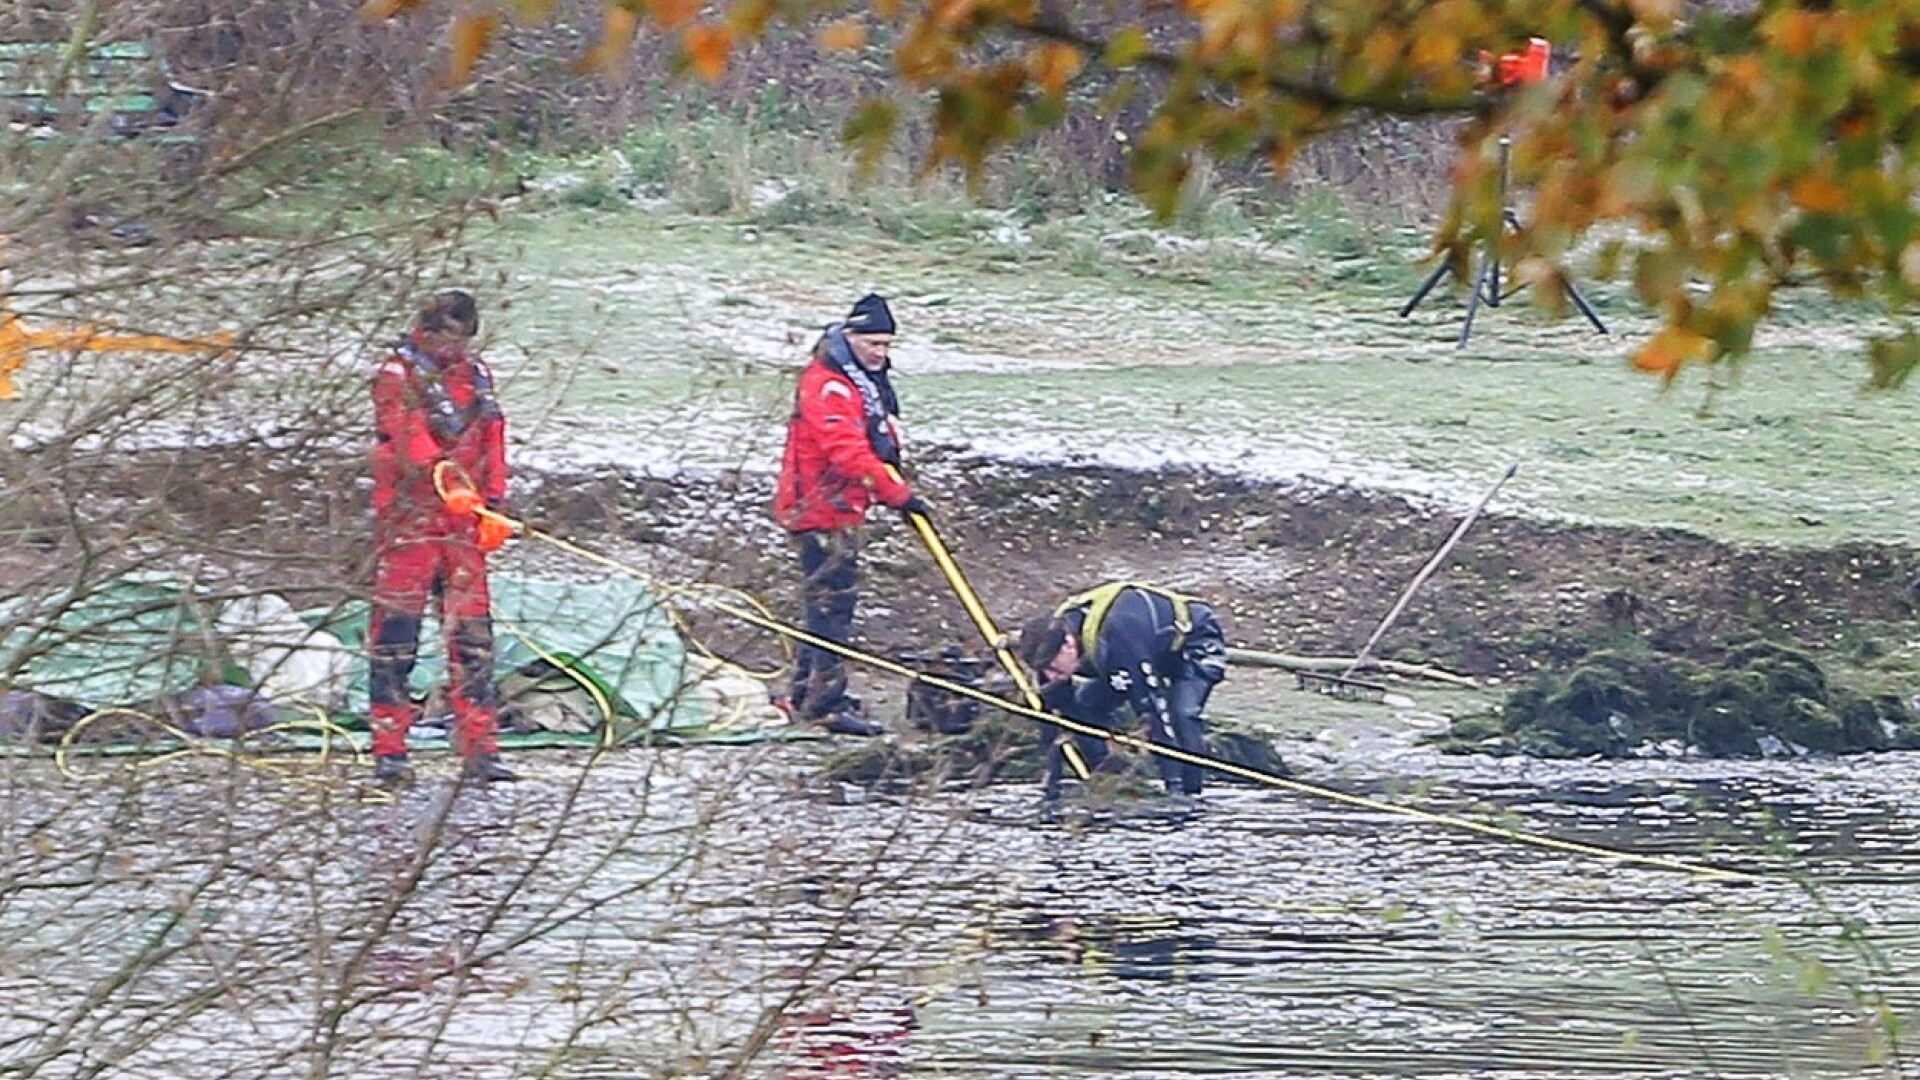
649, 302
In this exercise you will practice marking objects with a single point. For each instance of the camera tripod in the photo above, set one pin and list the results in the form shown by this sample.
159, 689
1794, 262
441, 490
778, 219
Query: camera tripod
1486, 281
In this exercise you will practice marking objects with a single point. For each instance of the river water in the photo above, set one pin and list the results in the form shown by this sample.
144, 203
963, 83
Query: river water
1275, 936
691, 912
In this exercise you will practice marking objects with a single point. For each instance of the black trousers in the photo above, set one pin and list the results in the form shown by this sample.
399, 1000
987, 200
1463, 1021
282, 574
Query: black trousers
830, 569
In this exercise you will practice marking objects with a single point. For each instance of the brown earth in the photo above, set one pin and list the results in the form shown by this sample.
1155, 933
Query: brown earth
1300, 567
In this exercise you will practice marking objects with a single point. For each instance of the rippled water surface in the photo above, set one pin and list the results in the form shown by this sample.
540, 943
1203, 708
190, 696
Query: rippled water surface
1268, 935
665, 913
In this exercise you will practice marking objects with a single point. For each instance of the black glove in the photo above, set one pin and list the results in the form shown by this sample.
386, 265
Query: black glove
916, 505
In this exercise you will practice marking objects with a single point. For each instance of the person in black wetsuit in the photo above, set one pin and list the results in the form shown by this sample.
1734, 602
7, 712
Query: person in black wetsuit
1151, 648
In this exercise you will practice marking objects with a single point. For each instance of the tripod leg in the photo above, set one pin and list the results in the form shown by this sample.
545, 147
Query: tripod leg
1425, 288
1489, 267
1495, 292
1581, 303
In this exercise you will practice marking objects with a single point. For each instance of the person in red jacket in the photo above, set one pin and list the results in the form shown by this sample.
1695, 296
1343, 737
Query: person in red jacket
842, 456
435, 411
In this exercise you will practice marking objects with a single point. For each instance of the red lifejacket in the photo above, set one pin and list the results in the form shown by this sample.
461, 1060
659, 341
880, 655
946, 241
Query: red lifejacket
830, 473
428, 409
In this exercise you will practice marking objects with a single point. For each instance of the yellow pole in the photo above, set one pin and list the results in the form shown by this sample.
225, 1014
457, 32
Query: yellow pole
983, 622
16, 341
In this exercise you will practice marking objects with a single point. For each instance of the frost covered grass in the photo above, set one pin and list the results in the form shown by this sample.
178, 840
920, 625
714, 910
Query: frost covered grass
1276, 352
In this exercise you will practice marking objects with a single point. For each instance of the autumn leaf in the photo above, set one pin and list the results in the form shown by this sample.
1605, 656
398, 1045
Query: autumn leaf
1910, 265
843, 36
1797, 33
381, 10
1280, 155
708, 45
925, 57
1435, 51
868, 130
1818, 194
1892, 360
1052, 64
673, 14
951, 14
1660, 13
1127, 47
618, 24
469, 35
1671, 349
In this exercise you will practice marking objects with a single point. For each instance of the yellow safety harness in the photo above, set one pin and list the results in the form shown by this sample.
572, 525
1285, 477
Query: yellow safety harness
1099, 599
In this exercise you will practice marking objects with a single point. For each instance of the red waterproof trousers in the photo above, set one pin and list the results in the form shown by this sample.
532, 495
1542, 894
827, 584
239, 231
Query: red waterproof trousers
409, 573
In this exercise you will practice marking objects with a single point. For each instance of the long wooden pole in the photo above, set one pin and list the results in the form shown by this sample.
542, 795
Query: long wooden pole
1427, 570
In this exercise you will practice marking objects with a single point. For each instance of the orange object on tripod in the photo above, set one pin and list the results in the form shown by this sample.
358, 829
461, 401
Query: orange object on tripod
1530, 65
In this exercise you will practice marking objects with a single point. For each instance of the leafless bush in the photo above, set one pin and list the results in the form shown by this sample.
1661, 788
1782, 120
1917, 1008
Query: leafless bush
246, 916
616, 915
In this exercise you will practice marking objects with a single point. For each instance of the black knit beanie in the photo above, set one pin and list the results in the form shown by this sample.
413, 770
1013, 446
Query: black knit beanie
870, 315
450, 312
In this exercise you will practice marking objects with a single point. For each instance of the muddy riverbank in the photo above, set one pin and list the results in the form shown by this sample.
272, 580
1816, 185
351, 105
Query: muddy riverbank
1297, 567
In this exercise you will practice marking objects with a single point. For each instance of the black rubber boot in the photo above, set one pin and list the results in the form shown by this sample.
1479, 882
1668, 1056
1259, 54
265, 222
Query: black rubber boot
486, 769
848, 723
392, 770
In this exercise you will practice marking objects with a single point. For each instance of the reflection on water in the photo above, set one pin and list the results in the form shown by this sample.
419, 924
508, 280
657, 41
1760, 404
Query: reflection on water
1152, 947
826, 1042
694, 906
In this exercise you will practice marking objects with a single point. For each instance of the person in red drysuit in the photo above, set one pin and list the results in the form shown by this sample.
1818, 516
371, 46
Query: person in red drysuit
842, 456
435, 410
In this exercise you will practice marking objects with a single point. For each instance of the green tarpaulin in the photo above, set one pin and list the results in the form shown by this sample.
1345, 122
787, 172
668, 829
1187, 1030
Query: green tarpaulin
608, 645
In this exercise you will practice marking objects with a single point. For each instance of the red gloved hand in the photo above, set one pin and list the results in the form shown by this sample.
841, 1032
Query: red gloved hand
456, 490
494, 531
465, 501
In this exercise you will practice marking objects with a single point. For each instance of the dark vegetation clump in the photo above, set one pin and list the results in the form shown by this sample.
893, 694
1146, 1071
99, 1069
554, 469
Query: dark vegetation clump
1001, 747
1762, 699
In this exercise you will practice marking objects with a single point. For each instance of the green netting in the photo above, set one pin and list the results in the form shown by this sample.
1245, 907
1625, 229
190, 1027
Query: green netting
123, 643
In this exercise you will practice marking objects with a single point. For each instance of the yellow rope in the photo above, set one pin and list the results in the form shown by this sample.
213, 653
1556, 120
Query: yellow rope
600, 699
667, 592
195, 746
